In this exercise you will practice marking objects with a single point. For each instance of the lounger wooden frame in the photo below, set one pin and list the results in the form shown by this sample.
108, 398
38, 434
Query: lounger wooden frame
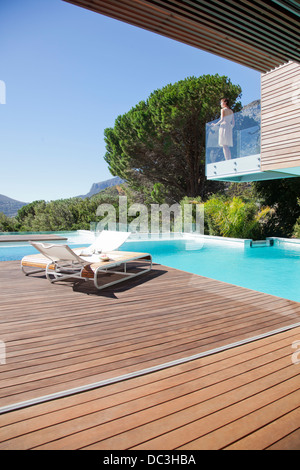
59, 272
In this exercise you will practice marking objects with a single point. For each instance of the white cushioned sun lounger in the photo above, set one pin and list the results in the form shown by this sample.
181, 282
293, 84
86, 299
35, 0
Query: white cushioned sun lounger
60, 262
107, 240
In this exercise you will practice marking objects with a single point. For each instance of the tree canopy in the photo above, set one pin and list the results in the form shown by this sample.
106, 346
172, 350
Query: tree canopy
158, 147
284, 196
162, 140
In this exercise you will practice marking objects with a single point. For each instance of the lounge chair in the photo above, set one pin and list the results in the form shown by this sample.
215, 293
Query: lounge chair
61, 263
107, 240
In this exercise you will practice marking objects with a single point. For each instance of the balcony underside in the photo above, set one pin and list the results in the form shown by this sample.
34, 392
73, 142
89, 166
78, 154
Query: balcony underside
260, 176
246, 169
261, 34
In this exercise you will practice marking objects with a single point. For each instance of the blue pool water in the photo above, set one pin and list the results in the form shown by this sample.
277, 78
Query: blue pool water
274, 270
16, 251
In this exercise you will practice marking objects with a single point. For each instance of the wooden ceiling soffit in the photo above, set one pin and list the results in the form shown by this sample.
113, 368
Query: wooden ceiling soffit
258, 34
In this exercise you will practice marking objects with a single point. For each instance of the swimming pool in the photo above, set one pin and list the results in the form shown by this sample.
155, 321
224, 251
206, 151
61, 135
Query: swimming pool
273, 269
15, 251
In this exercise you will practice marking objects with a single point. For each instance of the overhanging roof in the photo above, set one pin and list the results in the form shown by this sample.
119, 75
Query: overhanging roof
260, 34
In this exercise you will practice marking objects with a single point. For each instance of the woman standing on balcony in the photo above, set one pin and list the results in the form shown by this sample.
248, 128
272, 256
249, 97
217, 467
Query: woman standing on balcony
225, 131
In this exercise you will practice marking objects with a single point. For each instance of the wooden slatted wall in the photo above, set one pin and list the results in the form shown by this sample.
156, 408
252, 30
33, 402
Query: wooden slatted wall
280, 117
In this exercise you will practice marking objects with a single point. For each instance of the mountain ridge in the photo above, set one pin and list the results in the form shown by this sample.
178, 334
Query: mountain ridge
97, 187
10, 206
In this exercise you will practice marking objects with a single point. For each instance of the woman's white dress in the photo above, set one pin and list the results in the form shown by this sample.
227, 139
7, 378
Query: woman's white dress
225, 131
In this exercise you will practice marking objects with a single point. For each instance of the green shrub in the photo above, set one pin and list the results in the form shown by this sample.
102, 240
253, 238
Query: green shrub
7, 224
296, 229
235, 218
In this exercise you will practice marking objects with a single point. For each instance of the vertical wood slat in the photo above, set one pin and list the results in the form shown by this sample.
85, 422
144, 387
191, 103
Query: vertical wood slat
280, 117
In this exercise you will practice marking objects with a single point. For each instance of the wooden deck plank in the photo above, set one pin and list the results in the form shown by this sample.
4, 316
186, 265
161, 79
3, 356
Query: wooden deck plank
166, 334
194, 419
250, 393
64, 335
289, 442
263, 418
279, 426
270, 346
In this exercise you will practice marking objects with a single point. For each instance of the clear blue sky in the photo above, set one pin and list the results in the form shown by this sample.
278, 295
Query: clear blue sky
69, 73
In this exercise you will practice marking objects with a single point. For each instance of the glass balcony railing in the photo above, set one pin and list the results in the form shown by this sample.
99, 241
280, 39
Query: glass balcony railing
233, 148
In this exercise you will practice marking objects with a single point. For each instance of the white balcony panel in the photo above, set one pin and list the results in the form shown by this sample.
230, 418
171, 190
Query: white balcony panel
235, 167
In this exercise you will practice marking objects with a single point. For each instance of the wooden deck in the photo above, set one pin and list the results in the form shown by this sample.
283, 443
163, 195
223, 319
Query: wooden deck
63, 336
